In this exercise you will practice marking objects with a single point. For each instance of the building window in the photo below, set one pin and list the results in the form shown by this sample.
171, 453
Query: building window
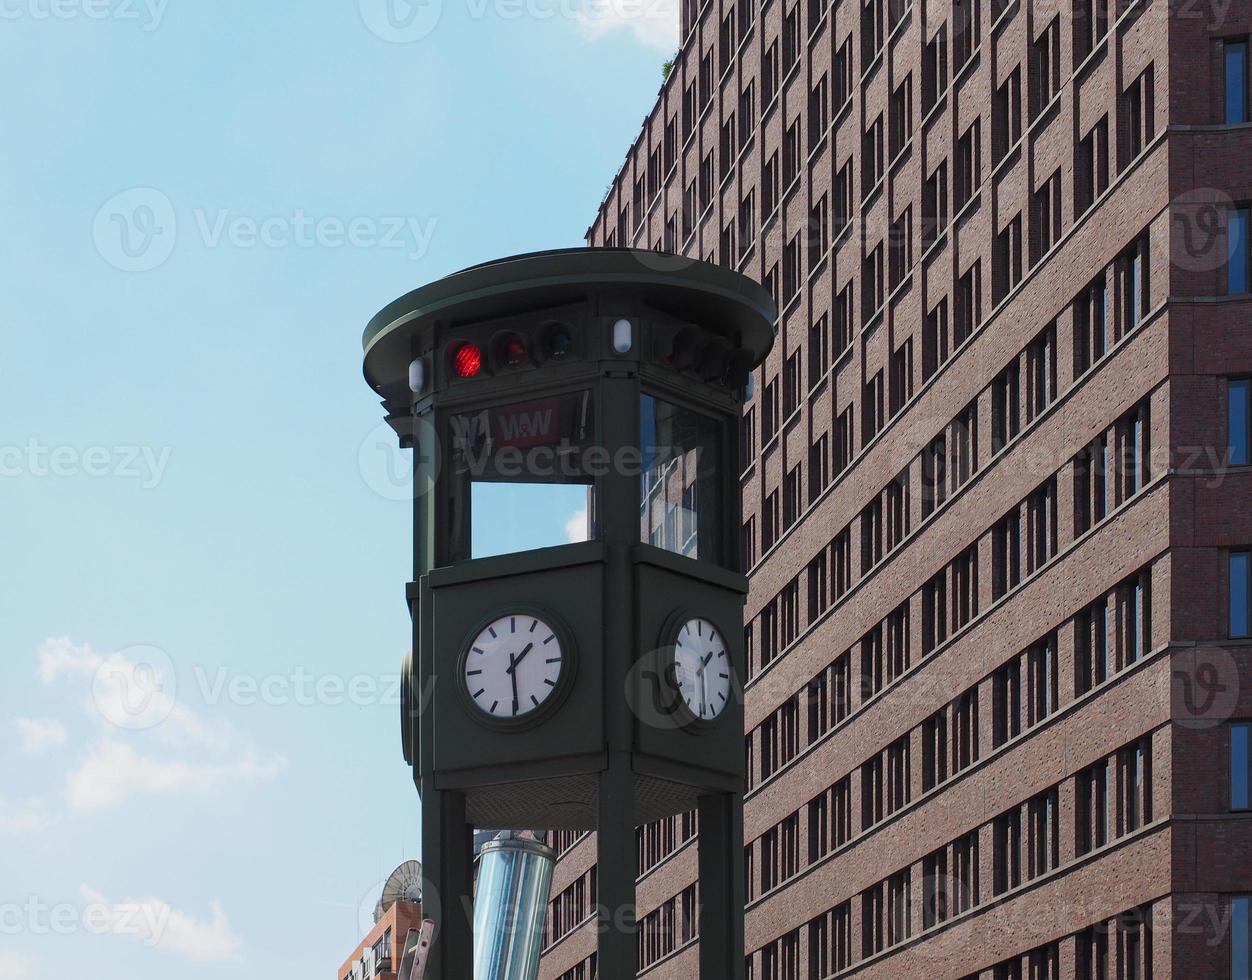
1236, 88
1046, 217
1091, 325
1091, 175
1007, 859
1091, 23
1091, 660
935, 339
1138, 109
1006, 554
934, 750
935, 888
1237, 252
1045, 63
1134, 786
830, 941
1041, 680
965, 730
871, 157
1007, 259
1134, 944
900, 247
968, 304
1040, 527
934, 612
1240, 593
1240, 765
1092, 808
1043, 839
1239, 422
965, 31
965, 588
934, 69
1132, 436
1241, 937
1006, 416
1006, 703
1090, 485
1006, 116
967, 172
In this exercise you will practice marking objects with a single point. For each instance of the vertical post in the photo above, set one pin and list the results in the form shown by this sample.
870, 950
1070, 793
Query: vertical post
615, 875
721, 886
447, 853
619, 515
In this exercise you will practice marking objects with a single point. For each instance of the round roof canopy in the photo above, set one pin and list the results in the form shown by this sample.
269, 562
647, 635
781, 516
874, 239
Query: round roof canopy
718, 299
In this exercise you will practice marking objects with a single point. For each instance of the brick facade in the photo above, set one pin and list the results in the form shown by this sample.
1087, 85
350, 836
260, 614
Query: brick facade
987, 514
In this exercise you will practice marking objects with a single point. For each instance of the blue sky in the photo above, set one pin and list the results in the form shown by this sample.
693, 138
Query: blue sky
203, 203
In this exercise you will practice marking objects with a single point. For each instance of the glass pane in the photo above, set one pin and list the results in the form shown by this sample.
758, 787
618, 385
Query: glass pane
681, 488
1240, 734
1240, 415
510, 517
1240, 939
522, 476
1236, 82
1239, 622
1237, 251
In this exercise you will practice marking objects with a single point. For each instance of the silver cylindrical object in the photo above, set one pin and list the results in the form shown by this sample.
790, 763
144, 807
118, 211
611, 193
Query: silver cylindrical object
510, 903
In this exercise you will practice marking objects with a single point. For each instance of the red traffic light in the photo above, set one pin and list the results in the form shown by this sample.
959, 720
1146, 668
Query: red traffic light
467, 360
511, 350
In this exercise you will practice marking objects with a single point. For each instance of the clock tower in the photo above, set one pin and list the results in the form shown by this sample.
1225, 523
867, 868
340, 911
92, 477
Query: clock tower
592, 685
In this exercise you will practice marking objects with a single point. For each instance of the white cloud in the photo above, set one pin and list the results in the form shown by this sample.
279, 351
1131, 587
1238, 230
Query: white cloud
16, 966
59, 656
576, 526
149, 742
654, 23
113, 771
38, 735
155, 924
21, 819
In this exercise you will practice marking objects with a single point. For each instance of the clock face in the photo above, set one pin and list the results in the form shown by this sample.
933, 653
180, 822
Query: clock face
513, 666
702, 669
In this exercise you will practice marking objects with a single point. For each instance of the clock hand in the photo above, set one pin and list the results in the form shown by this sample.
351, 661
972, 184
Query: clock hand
514, 661
513, 678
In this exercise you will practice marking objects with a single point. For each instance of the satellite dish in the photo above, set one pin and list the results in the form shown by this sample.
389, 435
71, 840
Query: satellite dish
402, 885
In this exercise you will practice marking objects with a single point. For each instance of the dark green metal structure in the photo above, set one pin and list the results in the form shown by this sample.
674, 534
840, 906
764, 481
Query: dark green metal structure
624, 372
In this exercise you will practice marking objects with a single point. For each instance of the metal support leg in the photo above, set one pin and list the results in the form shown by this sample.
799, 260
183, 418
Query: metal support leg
721, 887
615, 855
447, 853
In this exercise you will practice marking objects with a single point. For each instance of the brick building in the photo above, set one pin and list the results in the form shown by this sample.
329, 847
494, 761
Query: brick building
995, 473
378, 955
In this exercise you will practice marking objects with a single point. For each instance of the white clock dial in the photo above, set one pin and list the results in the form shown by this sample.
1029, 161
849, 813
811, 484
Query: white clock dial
702, 669
513, 666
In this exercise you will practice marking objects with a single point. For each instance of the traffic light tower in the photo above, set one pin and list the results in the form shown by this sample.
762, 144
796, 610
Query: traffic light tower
593, 685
